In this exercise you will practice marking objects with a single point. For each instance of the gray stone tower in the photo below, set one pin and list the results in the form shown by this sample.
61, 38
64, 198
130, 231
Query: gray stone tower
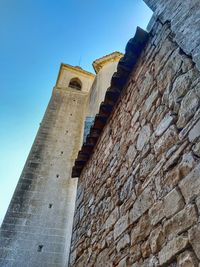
36, 230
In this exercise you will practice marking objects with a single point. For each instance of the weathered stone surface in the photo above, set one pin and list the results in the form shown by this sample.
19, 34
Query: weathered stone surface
172, 248
127, 191
164, 124
158, 115
196, 149
122, 263
173, 154
102, 258
194, 237
179, 89
135, 117
194, 132
189, 126
187, 259
135, 254
189, 105
145, 249
168, 73
150, 262
147, 165
157, 239
123, 242
166, 141
113, 217
183, 17
173, 202
120, 226
190, 185
180, 222
198, 204
156, 212
143, 137
150, 101
141, 230
141, 205
131, 154
187, 164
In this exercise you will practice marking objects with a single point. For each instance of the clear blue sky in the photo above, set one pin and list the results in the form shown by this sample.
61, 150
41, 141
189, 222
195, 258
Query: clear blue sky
36, 36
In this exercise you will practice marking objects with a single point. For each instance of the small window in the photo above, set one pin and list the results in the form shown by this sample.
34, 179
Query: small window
75, 83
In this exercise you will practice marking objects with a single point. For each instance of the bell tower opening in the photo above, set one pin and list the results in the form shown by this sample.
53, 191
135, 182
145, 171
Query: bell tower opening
75, 83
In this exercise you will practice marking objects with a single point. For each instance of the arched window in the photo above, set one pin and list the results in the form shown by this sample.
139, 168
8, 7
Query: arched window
75, 83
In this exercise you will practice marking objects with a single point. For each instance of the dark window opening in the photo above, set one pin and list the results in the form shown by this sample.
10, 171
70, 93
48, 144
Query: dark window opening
75, 83
50, 205
40, 247
57, 175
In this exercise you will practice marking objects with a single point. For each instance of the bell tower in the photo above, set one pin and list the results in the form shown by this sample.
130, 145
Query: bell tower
36, 230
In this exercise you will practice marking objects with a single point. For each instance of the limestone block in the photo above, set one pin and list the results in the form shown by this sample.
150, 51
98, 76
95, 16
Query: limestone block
156, 213
131, 154
142, 204
158, 115
164, 124
150, 101
187, 259
141, 230
150, 262
180, 222
194, 237
172, 248
190, 185
127, 190
147, 165
198, 204
196, 149
122, 263
145, 249
102, 258
190, 125
194, 132
173, 202
135, 253
187, 164
157, 239
143, 137
123, 242
113, 217
146, 84
166, 141
180, 88
135, 118
120, 226
170, 69
173, 158
188, 107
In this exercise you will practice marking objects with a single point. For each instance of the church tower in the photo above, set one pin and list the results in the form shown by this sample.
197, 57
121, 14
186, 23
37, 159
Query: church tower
36, 230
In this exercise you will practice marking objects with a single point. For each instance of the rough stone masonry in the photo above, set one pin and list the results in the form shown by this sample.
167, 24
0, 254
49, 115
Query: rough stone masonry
138, 200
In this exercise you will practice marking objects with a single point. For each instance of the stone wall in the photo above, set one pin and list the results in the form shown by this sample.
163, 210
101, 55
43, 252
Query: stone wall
138, 198
185, 24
